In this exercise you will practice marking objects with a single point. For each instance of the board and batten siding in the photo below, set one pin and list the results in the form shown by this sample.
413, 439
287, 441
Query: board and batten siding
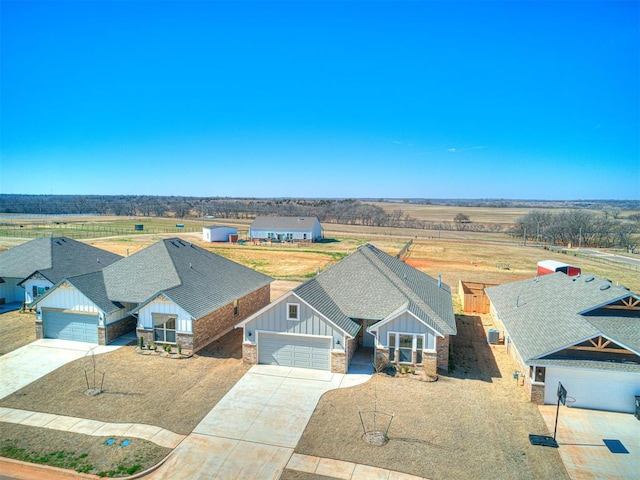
11, 291
407, 323
274, 319
163, 305
35, 281
67, 297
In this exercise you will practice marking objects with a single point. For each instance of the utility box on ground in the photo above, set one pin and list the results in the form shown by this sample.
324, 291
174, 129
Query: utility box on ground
493, 336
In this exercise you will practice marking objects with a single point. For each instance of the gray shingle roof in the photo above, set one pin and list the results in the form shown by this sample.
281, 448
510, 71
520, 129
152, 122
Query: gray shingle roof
197, 280
284, 223
370, 284
54, 258
93, 287
547, 316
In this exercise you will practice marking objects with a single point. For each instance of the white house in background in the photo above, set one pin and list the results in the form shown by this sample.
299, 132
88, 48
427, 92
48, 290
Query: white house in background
215, 233
581, 331
27, 271
286, 229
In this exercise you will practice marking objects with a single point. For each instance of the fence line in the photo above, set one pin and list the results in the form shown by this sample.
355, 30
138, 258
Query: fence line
404, 249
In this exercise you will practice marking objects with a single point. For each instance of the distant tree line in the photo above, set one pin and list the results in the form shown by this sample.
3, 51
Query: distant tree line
579, 228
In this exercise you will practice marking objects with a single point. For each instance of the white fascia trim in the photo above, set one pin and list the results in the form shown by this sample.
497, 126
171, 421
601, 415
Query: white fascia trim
395, 315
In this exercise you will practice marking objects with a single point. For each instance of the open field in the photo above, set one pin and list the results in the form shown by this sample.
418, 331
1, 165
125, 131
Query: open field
444, 429
501, 215
474, 256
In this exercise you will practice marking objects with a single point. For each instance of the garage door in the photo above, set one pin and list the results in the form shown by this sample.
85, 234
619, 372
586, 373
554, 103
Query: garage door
598, 390
294, 350
70, 326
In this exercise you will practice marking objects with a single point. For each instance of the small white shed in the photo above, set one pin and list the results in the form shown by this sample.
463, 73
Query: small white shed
218, 233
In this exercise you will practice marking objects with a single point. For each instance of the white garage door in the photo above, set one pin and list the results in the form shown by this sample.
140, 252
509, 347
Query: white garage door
294, 350
598, 390
70, 326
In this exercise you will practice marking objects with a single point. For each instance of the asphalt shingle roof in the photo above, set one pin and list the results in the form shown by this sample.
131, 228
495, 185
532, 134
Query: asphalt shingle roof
54, 258
284, 223
547, 317
92, 286
370, 284
197, 280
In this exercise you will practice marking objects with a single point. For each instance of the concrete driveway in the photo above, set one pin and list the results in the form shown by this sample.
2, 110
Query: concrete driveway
581, 435
252, 431
27, 364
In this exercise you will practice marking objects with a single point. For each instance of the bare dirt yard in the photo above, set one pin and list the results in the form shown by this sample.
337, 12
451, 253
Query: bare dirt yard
473, 422
169, 393
16, 330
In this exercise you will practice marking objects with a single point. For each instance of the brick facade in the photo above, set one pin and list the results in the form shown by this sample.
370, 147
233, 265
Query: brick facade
212, 326
114, 330
352, 346
442, 349
216, 324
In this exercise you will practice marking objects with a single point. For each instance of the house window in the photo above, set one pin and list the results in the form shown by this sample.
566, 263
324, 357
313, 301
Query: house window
37, 291
392, 347
164, 329
293, 311
235, 308
407, 343
405, 347
539, 373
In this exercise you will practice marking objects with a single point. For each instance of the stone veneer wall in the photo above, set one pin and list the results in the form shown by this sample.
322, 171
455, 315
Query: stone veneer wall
430, 362
338, 361
39, 329
249, 353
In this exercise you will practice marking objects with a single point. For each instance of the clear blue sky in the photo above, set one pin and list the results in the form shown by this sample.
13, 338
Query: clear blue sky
321, 99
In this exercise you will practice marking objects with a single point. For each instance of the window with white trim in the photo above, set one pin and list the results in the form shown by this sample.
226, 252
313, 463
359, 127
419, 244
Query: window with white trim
164, 328
406, 344
293, 311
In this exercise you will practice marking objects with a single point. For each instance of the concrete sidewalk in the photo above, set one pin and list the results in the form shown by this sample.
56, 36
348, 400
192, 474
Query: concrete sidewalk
252, 431
27, 364
329, 467
157, 435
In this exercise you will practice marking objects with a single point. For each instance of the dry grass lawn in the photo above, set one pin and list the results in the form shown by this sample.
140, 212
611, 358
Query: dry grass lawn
74, 451
16, 330
173, 394
471, 423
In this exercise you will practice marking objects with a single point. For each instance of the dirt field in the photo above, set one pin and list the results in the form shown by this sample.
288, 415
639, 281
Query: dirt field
500, 263
137, 387
471, 423
16, 330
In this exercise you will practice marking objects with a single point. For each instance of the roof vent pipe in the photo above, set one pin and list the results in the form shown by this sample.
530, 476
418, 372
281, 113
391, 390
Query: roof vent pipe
127, 252
439, 280
517, 301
